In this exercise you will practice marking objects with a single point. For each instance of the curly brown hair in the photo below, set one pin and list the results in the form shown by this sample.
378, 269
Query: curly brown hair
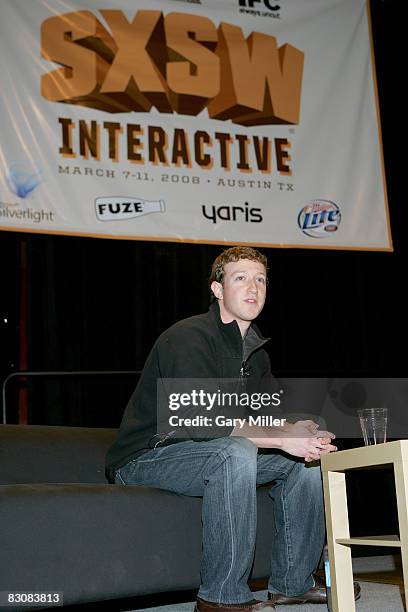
233, 254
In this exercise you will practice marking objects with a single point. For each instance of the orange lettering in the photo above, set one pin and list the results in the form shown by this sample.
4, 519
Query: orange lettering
72, 40
179, 63
192, 82
134, 77
254, 90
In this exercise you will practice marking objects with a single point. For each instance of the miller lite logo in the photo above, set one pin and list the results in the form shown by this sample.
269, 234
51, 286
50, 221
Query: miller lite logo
319, 218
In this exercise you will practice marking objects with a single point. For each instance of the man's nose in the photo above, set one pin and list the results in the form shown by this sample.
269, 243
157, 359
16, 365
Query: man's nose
252, 286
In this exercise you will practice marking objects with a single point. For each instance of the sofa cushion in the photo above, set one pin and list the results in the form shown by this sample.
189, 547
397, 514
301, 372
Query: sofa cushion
96, 542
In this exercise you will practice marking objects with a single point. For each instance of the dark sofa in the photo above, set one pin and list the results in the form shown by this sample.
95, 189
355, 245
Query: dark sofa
64, 528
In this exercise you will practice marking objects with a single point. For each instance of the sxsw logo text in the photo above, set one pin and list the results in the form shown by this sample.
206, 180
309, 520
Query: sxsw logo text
176, 63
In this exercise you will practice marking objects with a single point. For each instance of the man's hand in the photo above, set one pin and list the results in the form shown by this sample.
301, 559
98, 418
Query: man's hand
300, 439
311, 446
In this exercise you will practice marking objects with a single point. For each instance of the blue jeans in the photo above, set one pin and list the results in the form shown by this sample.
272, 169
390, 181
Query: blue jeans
225, 473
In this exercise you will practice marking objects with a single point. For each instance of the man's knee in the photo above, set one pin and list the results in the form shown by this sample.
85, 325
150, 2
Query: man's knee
240, 450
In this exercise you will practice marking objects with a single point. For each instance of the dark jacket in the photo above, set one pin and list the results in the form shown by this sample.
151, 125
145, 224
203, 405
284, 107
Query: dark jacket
195, 348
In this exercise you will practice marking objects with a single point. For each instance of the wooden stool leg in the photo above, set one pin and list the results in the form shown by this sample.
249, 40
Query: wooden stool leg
401, 486
337, 524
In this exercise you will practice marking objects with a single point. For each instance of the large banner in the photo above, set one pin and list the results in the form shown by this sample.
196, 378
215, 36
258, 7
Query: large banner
215, 121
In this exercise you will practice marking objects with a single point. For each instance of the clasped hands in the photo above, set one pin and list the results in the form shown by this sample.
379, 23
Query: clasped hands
302, 439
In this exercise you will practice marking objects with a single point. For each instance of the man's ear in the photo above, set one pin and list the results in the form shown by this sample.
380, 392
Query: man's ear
216, 288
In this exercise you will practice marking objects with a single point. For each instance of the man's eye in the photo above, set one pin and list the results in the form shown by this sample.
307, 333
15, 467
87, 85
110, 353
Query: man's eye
262, 280
240, 277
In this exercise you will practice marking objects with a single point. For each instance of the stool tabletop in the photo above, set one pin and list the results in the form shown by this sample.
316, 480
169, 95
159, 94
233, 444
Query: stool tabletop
365, 456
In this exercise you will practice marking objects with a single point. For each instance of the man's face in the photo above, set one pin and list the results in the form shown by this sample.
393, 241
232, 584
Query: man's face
242, 293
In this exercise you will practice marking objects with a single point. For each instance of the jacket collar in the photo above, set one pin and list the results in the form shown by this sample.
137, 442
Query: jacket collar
232, 333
